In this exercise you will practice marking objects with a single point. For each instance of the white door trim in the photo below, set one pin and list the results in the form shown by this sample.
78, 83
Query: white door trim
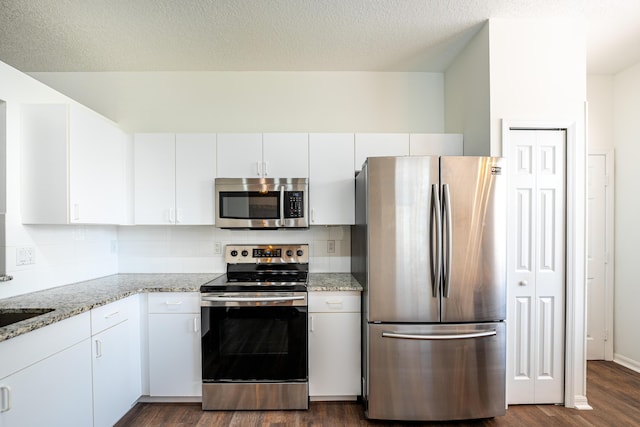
609, 155
575, 328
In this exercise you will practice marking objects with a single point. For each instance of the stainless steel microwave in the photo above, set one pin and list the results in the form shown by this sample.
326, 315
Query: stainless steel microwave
262, 202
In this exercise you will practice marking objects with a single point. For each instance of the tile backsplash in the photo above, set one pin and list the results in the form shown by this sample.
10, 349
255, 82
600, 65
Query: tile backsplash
192, 249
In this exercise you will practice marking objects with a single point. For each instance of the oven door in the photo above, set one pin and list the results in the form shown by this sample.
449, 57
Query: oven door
254, 337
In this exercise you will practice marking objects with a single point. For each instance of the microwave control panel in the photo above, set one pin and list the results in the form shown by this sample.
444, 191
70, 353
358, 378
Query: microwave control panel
294, 204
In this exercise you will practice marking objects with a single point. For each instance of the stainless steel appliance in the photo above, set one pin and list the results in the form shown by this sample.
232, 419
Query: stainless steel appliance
262, 202
254, 330
429, 248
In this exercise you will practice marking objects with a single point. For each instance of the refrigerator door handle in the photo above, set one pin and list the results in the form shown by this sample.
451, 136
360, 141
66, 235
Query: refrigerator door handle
436, 218
448, 239
440, 337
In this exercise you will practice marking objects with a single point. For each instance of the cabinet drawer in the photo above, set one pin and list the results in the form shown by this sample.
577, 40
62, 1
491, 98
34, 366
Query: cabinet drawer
329, 302
109, 315
174, 302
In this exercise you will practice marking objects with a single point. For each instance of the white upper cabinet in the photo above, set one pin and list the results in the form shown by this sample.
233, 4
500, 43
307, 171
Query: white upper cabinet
173, 178
239, 155
285, 155
195, 175
73, 166
380, 145
331, 173
435, 144
270, 155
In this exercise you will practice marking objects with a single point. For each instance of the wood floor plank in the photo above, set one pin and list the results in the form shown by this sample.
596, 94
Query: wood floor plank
612, 390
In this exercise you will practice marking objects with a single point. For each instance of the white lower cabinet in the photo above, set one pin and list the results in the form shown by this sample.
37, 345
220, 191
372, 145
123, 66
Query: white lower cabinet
334, 345
45, 376
115, 360
174, 344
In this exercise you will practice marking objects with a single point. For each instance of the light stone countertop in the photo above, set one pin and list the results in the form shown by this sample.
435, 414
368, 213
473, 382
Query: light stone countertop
76, 298
333, 282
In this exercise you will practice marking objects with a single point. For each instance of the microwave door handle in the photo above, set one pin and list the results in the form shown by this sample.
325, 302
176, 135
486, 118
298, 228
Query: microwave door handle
282, 206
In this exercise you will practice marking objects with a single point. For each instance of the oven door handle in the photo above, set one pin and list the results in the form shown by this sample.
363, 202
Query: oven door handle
254, 299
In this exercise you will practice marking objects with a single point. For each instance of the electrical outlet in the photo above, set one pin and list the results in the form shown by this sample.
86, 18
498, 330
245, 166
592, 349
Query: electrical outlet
217, 248
25, 256
331, 246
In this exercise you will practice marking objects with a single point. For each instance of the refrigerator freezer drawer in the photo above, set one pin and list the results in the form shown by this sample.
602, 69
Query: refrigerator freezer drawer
436, 372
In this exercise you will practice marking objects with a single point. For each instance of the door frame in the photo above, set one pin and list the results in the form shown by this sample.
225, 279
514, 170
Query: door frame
575, 384
609, 155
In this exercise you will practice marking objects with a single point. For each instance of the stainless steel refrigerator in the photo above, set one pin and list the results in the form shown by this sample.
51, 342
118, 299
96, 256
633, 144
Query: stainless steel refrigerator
429, 248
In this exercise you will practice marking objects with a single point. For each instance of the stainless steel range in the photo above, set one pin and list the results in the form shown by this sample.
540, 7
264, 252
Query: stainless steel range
254, 330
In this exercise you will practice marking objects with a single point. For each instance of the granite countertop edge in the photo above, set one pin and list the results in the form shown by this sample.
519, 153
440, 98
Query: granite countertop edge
77, 298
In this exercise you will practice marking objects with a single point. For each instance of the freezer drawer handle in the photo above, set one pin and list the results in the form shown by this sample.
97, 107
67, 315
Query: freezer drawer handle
439, 337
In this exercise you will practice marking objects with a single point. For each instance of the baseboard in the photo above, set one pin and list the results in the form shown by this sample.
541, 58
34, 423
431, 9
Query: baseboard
581, 403
170, 399
626, 362
332, 398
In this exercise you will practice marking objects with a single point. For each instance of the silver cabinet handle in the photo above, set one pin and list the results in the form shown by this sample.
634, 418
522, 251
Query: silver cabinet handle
5, 395
98, 349
109, 316
195, 324
439, 337
254, 299
173, 303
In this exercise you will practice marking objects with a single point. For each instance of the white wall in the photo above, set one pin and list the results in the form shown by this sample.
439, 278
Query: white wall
626, 137
260, 101
191, 249
538, 72
63, 254
467, 95
600, 106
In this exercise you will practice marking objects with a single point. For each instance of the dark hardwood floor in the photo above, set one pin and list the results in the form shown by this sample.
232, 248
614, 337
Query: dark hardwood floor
612, 390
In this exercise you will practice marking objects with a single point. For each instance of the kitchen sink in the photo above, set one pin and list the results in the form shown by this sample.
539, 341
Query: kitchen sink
9, 316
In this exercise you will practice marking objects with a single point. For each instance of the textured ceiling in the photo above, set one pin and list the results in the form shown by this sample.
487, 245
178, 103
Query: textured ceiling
285, 35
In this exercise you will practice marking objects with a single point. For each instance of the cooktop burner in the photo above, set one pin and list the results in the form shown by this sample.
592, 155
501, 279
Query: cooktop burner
263, 268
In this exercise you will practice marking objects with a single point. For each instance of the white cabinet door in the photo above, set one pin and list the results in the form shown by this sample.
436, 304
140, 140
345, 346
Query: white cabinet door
195, 175
73, 166
239, 155
55, 391
154, 178
380, 145
97, 169
331, 179
334, 345
174, 355
285, 155
435, 144
173, 178
111, 375
254, 155
174, 344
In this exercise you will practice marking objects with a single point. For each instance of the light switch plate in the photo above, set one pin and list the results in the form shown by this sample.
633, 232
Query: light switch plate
25, 255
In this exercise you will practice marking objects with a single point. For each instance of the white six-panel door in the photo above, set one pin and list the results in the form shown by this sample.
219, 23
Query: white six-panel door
536, 265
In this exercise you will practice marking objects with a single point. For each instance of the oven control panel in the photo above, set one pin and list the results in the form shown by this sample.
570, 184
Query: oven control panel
267, 254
